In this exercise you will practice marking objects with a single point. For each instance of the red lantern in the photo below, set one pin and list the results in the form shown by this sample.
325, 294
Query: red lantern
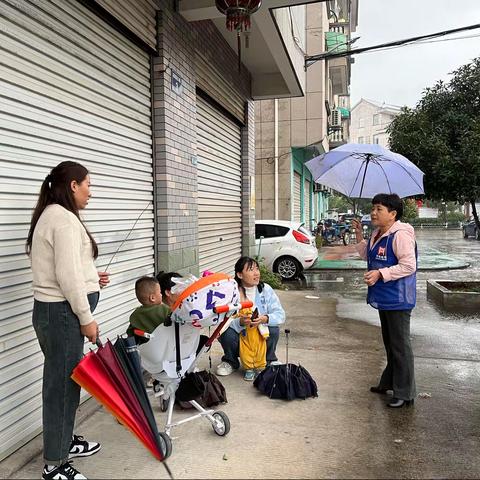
238, 18
238, 12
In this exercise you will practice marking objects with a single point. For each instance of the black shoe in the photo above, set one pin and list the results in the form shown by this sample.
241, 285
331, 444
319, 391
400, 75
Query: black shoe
62, 472
81, 448
378, 390
398, 403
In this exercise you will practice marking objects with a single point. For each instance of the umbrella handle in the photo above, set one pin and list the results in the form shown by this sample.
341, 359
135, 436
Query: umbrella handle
287, 331
98, 342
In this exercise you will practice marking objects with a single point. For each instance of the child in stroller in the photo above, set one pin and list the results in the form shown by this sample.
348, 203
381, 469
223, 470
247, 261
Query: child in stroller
170, 355
152, 311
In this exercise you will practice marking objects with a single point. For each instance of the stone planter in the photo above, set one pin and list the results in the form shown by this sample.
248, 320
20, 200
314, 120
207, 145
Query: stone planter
460, 297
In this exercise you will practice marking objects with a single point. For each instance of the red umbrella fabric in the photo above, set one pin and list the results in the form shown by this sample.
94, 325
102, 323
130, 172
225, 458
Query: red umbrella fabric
106, 353
95, 378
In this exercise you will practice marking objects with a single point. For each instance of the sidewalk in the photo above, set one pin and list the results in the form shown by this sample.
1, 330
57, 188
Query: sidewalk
347, 432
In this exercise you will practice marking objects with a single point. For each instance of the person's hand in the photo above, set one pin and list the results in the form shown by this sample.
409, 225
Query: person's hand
357, 226
103, 279
372, 277
90, 331
259, 320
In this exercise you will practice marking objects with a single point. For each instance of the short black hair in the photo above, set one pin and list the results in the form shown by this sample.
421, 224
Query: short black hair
165, 280
144, 287
390, 200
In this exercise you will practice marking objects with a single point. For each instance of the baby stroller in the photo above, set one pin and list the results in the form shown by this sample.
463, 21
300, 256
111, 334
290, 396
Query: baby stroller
171, 353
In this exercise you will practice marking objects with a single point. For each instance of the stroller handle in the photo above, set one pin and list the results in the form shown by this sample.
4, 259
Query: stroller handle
232, 307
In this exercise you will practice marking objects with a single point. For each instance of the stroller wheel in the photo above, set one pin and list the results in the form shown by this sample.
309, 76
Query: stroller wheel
222, 424
165, 444
163, 404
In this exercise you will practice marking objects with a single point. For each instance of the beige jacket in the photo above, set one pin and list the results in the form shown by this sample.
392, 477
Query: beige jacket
62, 261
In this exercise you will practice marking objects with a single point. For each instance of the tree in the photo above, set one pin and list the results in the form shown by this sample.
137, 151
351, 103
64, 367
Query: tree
441, 135
409, 210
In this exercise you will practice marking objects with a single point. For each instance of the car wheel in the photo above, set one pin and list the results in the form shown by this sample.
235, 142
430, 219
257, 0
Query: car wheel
465, 234
287, 267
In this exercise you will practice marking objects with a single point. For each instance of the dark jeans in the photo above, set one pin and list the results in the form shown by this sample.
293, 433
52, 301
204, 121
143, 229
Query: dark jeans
58, 332
399, 374
230, 341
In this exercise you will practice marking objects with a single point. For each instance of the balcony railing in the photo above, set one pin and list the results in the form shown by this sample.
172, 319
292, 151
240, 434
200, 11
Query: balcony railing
336, 137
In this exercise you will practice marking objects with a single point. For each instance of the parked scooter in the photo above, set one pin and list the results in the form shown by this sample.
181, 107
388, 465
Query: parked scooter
332, 231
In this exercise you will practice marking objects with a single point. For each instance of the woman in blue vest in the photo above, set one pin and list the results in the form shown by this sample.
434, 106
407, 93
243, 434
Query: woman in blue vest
391, 255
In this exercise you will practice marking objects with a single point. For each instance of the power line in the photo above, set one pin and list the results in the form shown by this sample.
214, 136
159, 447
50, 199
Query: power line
309, 60
426, 42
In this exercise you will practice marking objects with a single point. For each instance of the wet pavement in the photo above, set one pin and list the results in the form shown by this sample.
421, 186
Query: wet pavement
433, 255
347, 432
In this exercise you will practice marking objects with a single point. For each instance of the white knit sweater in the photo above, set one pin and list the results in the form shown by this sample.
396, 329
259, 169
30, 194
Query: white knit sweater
62, 261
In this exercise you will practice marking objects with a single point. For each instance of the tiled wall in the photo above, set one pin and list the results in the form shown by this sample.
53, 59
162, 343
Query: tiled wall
175, 137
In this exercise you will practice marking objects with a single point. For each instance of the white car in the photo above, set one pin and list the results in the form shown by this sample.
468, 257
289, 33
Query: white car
287, 248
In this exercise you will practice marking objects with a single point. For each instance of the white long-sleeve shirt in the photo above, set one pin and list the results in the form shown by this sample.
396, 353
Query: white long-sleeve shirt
62, 261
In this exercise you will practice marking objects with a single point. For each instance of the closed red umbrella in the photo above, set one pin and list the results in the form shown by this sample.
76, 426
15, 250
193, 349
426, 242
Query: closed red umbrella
102, 375
106, 353
92, 375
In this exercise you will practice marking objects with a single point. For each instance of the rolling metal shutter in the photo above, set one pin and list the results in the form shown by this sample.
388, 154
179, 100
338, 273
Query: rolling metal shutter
140, 20
71, 88
219, 189
307, 206
297, 192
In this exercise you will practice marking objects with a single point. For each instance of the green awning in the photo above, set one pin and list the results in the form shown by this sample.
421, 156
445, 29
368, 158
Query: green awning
345, 112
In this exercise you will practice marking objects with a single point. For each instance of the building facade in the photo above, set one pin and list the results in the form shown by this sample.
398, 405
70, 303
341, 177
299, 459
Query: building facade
370, 120
150, 96
290, 131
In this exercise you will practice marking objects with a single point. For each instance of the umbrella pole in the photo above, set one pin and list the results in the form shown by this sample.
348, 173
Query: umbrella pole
368, 157
287, 331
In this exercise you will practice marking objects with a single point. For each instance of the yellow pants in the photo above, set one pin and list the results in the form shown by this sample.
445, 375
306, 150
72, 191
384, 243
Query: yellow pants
253, 349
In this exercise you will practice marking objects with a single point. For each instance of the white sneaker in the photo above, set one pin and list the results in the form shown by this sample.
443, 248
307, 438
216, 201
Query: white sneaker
79, 447
224, 369
63, 472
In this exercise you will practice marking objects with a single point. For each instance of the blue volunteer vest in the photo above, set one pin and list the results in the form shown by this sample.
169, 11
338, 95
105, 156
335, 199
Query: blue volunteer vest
398, 294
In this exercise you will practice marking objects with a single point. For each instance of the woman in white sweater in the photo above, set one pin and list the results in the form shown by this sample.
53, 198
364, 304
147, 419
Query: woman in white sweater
66, 288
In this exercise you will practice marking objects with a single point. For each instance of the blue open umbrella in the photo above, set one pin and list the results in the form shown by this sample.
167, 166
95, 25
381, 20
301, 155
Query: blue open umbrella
362, 170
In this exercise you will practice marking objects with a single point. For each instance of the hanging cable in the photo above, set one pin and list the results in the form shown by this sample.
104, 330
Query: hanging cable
310, 60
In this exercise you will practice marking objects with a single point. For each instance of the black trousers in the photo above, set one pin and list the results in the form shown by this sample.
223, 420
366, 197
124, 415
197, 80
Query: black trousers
399, 374
58, 332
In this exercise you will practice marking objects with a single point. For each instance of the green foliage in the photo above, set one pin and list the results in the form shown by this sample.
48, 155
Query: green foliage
267, 276
409, 210
441, 135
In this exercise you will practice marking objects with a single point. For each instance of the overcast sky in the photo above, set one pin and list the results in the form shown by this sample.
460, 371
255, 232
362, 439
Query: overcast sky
398, 76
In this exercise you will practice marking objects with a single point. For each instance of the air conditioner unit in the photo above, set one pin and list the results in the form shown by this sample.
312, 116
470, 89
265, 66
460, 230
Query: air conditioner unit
336, 118
317, 187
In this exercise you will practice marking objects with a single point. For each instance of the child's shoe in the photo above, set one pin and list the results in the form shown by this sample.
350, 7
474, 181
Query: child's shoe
249, 375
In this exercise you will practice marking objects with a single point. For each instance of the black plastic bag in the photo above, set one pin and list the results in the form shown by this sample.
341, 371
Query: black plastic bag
213, 395
191, 387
